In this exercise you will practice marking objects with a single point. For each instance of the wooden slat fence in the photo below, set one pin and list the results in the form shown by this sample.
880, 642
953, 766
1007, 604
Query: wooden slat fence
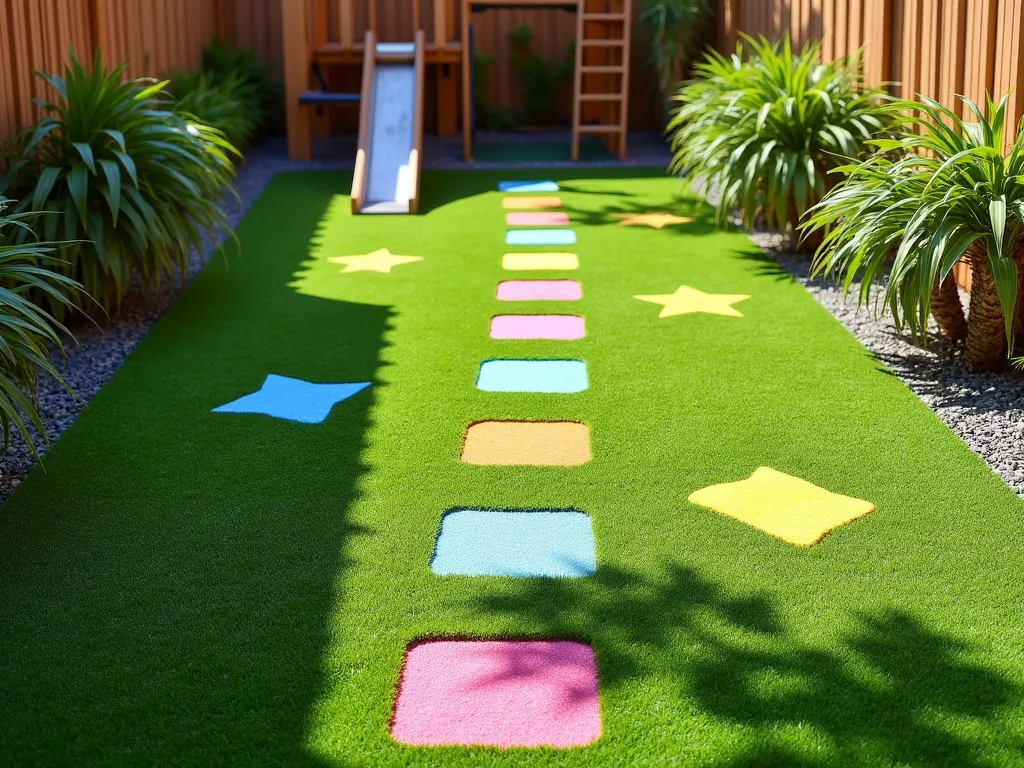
154, 36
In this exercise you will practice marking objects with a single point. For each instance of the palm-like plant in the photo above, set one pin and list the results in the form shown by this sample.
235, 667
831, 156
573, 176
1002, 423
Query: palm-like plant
136, 185
228, 104
766, 131
672, 33
26, 331
946, 191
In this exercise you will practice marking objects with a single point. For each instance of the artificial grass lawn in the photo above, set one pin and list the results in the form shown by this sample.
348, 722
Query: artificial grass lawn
188, 588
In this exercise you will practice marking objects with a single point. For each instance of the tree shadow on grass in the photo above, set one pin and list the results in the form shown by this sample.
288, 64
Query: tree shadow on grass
890, 691
168, 584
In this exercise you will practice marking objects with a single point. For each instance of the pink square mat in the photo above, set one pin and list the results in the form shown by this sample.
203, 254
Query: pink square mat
503, 693
543, 219
539, 290
564, 327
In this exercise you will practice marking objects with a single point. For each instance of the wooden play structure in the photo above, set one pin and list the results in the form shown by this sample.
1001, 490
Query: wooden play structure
322, 34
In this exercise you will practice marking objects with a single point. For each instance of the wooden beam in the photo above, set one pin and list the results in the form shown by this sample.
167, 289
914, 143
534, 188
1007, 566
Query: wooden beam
365, 108
296, 62
416, 155
440, 24
467, 96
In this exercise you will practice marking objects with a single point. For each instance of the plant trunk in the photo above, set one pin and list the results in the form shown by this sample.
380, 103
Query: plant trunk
947, 309
985, 347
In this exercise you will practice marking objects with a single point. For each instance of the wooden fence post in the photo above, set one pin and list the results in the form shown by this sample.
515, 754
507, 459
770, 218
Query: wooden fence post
98, 26
296, 77
221, 19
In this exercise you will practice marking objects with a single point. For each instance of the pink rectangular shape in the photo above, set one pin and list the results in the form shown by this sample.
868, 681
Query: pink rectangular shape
499, 693
543, 219
539, 290
564, 327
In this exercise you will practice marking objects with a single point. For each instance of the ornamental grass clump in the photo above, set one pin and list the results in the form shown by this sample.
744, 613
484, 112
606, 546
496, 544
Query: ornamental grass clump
135, 185
766, 131
947, 190
27, 332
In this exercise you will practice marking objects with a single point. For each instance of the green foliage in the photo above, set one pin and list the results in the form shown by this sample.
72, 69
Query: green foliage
222, 62
921, 202
135, 185
541, 79
670, 31
230, 104
487, 116
766, 131
26, 330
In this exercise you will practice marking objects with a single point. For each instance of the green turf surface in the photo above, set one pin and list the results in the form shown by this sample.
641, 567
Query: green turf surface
537, 151
188, 588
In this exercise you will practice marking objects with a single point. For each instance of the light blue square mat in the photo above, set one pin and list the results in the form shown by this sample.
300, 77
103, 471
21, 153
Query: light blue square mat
518, 543
540, 237
546, 376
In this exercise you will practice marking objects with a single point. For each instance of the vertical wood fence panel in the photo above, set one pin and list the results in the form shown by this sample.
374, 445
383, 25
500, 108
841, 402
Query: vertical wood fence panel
153, 36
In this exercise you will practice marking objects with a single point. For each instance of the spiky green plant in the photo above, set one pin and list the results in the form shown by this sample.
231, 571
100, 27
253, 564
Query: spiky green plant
670, 32
221, 61
136, 185
765, 131
227, 103
947, 190
26, 330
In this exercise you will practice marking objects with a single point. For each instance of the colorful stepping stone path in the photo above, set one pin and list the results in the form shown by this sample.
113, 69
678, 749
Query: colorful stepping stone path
514, 692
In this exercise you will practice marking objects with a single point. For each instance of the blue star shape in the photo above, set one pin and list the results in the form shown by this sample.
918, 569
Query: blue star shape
293, 399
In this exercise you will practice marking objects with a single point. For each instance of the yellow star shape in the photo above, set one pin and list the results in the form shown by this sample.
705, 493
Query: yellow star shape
653, 220
381, 260
687, 301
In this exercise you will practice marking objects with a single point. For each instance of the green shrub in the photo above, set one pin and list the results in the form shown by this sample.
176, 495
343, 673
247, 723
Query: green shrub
541, 79
671, 34
945, 190
230, 105
25, 329
135, 185
765, 132
222, 62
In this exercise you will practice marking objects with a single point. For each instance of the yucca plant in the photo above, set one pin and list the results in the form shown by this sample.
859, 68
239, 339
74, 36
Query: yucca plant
228, 104
27, 332
947, 190
136, 186
765, 131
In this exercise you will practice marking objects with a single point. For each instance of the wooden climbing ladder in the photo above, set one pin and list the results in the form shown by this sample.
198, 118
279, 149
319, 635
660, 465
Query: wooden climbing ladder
601, 93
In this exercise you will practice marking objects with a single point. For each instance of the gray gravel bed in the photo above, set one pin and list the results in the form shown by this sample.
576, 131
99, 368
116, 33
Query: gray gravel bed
985, 410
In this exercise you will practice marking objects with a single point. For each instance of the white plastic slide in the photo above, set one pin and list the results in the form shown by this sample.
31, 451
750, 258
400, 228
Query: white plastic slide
388, 161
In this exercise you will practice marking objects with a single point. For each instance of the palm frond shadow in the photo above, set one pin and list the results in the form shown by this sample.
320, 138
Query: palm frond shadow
889, 690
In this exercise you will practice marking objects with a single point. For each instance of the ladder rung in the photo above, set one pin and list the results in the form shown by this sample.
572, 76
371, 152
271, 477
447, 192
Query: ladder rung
601, 128
604, 17
602, 69
601, 97
602, 43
